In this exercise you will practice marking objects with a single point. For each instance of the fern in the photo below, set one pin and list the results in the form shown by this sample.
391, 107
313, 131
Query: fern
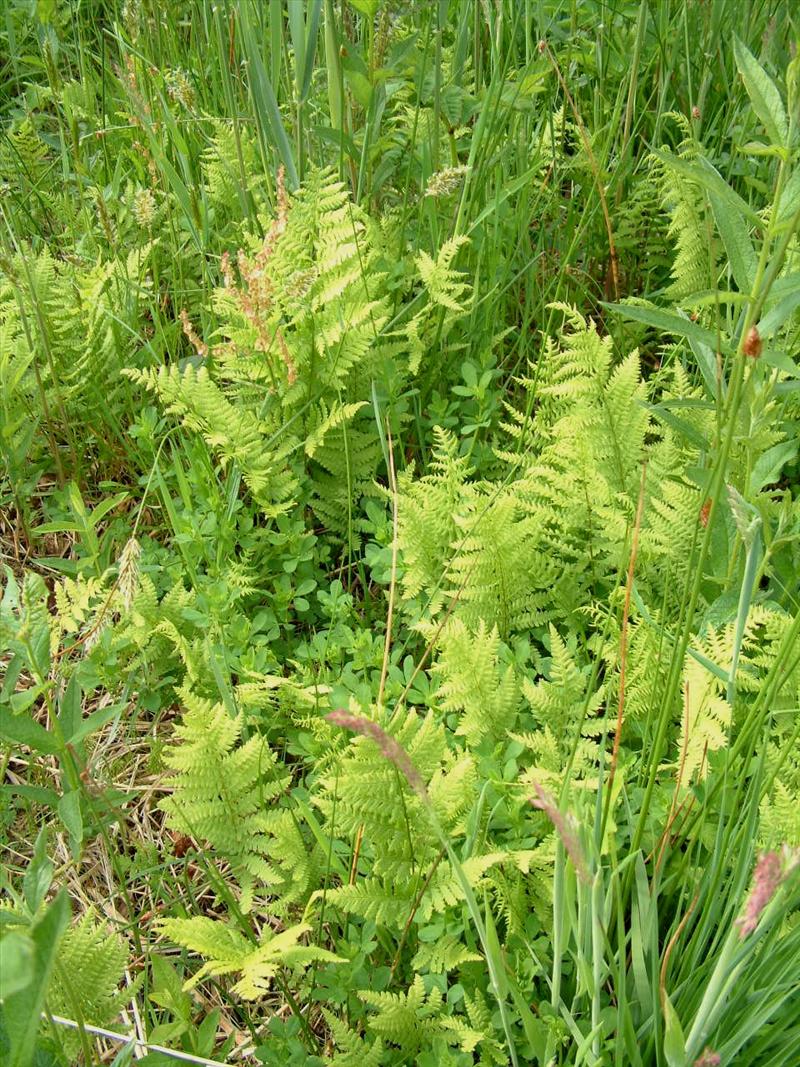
445, 954
427, 526
416, 1019
446, 286
220, 788
371, 799
566, 717
230, 164
474, 684
228, 951
74, 325
354, 1050
234, 433
705, 722
90, 967
543, 543
695, 267
408, 1019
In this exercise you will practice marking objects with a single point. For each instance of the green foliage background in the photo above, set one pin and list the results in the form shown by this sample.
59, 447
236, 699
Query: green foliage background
400, 511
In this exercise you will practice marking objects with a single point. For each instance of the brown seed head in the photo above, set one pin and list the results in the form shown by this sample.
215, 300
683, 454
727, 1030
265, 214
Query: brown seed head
708, 1058
565, 827
767, 876
391, 749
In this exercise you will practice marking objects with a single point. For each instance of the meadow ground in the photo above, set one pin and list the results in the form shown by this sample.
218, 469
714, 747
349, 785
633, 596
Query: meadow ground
400, 519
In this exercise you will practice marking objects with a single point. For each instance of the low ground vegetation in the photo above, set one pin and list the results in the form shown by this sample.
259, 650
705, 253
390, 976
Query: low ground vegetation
400, 510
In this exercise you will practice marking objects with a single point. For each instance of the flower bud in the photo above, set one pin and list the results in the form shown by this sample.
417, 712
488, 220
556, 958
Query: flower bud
752, 343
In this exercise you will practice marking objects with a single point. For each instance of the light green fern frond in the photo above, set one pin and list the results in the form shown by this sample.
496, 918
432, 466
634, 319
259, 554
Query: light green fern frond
87, 978
695, 266
220, 792
230, 164
231, 431
352, 1049
705, 721
228, 951
426, 523
473, 683
408, 1019
446, 286
447, 953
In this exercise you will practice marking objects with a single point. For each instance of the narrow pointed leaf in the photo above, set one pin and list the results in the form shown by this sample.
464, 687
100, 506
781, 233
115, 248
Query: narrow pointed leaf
763, 93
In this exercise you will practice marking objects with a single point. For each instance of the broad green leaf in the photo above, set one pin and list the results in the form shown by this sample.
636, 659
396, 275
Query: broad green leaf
780, 313
17, 954
23, 730
93, 722
105, 506
674, 1041
69, 707
168, 991
359, 85
13, 671
39, 876
736, 238
366, 7
38, 794
780, 361
713, 375
763, 93
768, 466
336, 137
707, 176
69, 811
668, 322
26, 698
22, 1010
790, 198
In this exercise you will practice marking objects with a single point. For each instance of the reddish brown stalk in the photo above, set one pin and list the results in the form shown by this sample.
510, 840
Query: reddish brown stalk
662, 978
623, 639
356, 854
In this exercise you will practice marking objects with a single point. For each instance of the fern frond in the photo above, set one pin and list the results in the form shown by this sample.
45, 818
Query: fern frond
220, 788
354, 1050
228, 951
446, 286
445, 954
231, 431
88, 977
691, 226
473, 682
